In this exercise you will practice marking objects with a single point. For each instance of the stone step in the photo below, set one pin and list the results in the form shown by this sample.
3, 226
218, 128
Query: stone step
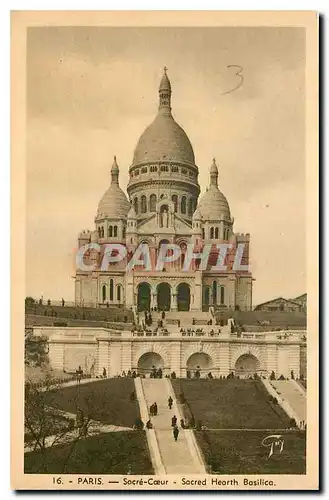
176, 456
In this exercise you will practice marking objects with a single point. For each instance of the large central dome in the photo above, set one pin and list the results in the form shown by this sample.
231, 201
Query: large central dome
164, 139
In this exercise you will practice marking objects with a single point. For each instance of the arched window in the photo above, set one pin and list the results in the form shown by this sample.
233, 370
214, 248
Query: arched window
214, 293
99, 232
190, 206
216, 233
115, 231
119, 293
222, 294
143, 204
183, 205
174, 199
111, 289
153, 200
203, 233
110, 231
136, 205
124, 232
103, 293
102, 232
211, 233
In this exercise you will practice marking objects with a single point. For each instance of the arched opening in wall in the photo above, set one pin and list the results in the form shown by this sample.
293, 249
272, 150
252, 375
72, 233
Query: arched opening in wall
119, 293
164, 216
143, 204
203, 234
222, 295
216, 233
206, 297
115, 231
247, 365
148, 361
111, 289
183, 297
199, 362
183, 205
211, 233
163, 297
143, 297
174, 199
190, 206
214, 293
110, 231
124, 233
104, 293
153, 200
136, 205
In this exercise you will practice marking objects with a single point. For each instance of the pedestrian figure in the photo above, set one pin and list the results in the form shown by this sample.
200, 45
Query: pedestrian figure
163, 315
170, 402
104, 372
174, 421
63, 302
175, 432
155, 409
152, 410
149, 425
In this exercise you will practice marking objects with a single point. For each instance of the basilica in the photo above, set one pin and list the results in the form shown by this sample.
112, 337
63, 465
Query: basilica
163, 206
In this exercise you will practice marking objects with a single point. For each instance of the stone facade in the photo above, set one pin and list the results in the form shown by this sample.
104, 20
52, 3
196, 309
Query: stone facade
243, 354
163, 207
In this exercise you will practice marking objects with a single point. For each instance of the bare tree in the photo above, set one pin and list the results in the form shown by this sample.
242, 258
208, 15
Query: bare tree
46, 425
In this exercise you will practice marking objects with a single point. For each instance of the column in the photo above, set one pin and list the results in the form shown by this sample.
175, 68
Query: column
173, 301
153, 299
224, 358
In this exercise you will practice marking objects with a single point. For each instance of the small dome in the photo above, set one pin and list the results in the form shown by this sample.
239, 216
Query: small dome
213, 205
114, 203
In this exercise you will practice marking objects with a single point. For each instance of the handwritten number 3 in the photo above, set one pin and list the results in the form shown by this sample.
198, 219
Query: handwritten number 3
238, 73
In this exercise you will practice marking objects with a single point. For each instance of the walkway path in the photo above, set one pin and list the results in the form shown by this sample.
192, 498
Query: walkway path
181, 457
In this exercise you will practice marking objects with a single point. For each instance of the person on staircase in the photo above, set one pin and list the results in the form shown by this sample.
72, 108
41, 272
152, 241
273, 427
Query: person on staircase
149, 424
170, 402
175, 432
174, 421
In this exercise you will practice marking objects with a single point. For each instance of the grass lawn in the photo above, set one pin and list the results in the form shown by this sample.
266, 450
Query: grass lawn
230, 404
111, 453
106, 400
241, 452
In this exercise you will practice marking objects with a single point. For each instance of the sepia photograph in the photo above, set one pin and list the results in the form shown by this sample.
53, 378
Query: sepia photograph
166, 324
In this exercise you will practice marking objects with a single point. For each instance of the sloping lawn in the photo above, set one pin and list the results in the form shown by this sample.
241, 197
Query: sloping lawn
108, 400
242, 452
230, 404
111, 453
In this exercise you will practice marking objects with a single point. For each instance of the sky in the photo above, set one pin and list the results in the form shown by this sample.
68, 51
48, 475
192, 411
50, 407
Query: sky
91, 92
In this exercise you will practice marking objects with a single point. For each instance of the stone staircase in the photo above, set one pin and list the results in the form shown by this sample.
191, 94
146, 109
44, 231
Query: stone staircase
183, 456
290, 396
289, 391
